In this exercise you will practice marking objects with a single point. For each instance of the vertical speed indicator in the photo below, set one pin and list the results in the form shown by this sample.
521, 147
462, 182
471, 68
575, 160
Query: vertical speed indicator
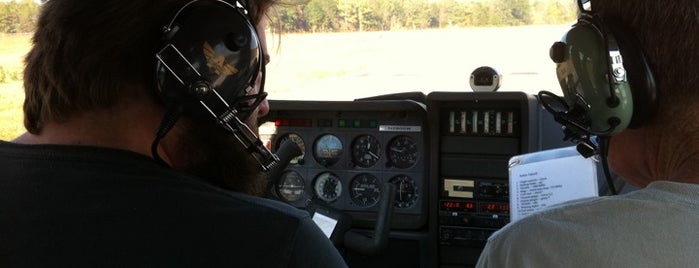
406, 191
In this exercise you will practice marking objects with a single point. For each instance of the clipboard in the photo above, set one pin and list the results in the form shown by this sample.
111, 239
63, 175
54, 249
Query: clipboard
545, 178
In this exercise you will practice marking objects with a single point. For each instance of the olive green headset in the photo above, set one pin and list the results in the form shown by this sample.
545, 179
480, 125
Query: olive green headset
607, 83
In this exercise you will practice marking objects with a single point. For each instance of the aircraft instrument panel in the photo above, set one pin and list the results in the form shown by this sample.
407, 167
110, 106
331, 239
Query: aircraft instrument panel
349, 150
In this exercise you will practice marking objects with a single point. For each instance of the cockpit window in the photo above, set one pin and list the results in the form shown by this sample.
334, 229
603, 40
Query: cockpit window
348, 49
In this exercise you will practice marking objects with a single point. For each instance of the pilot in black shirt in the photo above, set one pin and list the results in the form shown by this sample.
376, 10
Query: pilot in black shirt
89, 206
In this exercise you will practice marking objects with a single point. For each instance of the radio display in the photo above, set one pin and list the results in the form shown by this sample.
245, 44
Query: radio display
459, 206
495, 208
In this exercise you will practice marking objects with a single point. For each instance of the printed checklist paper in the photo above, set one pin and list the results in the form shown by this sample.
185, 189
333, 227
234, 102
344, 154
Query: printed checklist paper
542, 179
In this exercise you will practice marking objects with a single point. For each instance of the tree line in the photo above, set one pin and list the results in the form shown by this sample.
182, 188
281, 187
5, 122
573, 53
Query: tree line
385, 15
18, 16
367, 15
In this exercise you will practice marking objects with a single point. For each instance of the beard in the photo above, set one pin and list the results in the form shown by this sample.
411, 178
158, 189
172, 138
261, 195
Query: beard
211, 153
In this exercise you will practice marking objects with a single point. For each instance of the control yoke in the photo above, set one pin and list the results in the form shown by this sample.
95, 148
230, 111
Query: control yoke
361, 242
374, 245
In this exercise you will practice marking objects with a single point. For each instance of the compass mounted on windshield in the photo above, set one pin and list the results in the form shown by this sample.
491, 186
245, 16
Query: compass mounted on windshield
485, 79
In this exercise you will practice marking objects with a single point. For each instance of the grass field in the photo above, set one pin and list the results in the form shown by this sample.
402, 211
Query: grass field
345, 66
11, 98
13, 48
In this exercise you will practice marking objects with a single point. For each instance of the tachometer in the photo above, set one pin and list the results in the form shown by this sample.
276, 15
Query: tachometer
406, 191
291, 186
365, 190
299, 141
327, 149
328, 187
402, 152
365, 151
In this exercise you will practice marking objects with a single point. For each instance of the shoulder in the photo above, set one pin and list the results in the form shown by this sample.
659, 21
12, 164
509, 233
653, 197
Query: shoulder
274, 232
222, 202
556, 236
580, 215
309, 246
267, 205
544, 239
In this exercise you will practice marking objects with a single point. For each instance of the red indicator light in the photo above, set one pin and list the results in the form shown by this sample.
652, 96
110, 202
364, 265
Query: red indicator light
305, 123
293, 122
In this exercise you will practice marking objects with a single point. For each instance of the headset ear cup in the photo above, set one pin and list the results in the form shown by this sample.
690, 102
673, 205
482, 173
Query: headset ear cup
639, 74
602, 69
601, 100
207, 42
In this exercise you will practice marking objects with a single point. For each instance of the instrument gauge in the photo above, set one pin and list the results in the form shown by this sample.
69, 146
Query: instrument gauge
327, 149
328, 187
291, 186
299, 141
406, 191
365, 151
402, 152
365, 190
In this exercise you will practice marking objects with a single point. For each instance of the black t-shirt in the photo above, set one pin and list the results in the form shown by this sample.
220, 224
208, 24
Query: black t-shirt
88, 206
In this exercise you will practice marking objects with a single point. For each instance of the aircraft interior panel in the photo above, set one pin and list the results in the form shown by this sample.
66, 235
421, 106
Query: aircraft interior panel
446, 157
475, 135
350, 149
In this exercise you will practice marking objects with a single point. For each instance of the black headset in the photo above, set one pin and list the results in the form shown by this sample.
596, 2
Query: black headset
208, 64
607, 83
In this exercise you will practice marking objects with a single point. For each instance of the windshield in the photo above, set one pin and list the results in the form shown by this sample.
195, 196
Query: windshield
343, 50
349, 49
